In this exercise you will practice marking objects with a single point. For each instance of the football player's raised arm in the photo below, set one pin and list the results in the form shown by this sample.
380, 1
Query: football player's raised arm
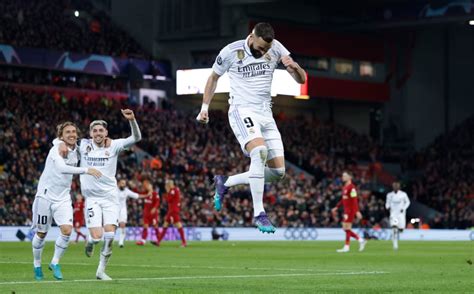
387, 201
136, 135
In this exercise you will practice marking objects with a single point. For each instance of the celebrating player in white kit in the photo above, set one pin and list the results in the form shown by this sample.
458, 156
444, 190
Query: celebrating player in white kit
250, 64
123, 194
102, 205
397, 202
53, 199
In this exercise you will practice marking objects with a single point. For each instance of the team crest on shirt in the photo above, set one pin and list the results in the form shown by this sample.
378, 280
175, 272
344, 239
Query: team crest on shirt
88, 149
240, 54
268, 58
107, 153
251, 131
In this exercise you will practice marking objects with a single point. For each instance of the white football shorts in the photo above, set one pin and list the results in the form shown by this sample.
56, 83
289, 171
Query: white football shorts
398, 220
44, 211
249, 122
101, 211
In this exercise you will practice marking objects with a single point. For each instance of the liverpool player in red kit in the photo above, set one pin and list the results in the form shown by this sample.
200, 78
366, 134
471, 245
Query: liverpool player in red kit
173, 197
151, 211
350, 202
79, 221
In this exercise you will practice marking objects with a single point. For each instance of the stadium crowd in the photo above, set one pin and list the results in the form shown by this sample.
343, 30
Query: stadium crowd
447, 184
179, 148
190, 153
52, 24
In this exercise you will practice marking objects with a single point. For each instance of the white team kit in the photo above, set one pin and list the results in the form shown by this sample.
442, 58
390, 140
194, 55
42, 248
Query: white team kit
122, 196
102, 204
53, 199
397, 202
250, 114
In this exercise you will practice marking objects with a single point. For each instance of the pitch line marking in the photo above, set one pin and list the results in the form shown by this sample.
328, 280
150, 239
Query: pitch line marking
197, 278
189, 266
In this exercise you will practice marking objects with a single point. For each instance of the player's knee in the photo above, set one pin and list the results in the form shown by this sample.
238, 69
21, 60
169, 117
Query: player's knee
258, 157
41, 235
66, 230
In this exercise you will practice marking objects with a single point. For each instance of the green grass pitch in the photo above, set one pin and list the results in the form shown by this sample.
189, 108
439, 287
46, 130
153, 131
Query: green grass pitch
245, 267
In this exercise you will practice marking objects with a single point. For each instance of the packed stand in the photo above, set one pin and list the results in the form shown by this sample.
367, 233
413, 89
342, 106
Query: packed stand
52, 24
187, 152
447, 183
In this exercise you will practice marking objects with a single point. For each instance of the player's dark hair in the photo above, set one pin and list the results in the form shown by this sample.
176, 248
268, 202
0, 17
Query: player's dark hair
60, 128
265, 31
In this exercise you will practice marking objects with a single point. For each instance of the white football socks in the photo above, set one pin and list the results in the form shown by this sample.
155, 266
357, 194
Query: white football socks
106, 251
271, 175
258, 158
60, 247
37, 244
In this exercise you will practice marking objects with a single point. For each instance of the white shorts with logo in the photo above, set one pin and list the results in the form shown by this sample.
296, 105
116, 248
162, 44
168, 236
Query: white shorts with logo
101, 211
45, 210
398, 220
123, 214
255, 121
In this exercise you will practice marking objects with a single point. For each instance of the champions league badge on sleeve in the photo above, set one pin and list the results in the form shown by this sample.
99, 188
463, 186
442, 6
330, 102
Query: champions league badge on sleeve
240, 54
219, 60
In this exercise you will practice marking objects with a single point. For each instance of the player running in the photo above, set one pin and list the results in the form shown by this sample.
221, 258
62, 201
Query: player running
53, 199
123, 194
79, 220
173, 198
250, 64
151, 212
102, 206
350, 202
397, 202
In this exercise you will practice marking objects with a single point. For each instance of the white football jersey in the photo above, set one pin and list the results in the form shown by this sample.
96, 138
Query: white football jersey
55, 181
250, 78
105, 160
397, 202
124, 194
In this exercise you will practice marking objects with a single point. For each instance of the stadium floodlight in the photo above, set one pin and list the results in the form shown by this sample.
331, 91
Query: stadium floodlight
471, 22
193, 81
76, 13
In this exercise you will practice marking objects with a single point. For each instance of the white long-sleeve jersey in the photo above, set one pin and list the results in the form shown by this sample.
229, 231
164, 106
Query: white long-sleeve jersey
55, 181
104, 159
124, 194
397, 202
250, 78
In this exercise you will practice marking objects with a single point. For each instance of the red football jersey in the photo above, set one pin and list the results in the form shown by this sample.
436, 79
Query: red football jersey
349, 200
173, 197
78, 211
152, 201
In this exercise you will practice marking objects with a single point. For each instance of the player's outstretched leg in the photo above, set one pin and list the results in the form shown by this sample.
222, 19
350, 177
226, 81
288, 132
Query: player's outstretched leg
264, 224
221, 190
